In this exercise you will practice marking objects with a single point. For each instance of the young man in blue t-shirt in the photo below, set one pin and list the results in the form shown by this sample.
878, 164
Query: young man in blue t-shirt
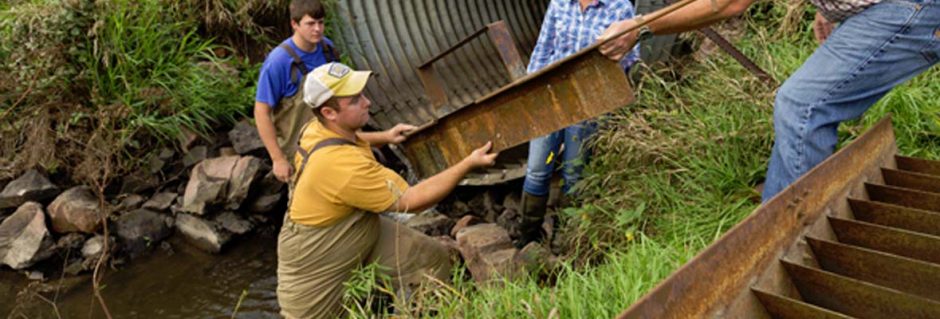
279, 108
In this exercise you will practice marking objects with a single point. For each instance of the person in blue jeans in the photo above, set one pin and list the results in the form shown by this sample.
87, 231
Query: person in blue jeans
867, 48
568, 26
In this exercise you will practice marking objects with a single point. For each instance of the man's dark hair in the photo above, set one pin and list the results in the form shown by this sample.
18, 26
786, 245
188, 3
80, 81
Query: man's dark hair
301, 8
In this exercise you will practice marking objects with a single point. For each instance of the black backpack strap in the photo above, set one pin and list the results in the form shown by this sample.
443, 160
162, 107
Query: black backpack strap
329, 52
297, 64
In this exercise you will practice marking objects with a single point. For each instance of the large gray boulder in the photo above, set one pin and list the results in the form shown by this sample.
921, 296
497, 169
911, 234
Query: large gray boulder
245, 138
207, 183
75, 210
24, 238
222, 181
31, 186
204, 234
488, 251
141, 229
244, 173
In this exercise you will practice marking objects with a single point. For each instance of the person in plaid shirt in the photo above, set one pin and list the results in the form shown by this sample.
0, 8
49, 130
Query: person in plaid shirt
867, 48
569, 26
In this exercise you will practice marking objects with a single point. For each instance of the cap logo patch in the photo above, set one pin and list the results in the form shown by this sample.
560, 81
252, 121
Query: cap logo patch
338, 70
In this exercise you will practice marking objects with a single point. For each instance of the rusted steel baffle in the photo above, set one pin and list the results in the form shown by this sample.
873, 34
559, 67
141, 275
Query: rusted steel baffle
580, 87
501, 38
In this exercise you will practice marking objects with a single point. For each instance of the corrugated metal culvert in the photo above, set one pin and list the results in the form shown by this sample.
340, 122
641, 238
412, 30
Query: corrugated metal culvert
393, 38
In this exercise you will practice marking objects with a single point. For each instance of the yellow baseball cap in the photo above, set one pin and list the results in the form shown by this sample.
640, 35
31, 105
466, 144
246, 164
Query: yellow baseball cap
333, 79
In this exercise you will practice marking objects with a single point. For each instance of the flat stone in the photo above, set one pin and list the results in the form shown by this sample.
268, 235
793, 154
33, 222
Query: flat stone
207, 183
157, 163
204, 234
535, 258
75, 210
35, 275
464, 222
195, 155
431, 223
129, 202
31, 186
234, 223
94, 246
139, 183
452, 249
140, 230
245, 138
244, 173
487, 250
161, 201
24, 238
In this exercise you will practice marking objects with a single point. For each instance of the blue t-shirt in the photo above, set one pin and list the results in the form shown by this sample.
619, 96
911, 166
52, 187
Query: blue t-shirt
274, 83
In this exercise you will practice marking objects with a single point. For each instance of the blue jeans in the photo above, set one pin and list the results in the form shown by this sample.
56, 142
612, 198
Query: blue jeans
543, 153
864, 58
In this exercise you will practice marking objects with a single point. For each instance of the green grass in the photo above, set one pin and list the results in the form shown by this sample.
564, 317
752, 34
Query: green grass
675, 171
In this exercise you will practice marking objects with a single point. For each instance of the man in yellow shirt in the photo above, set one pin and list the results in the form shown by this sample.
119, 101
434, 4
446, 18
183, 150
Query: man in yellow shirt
332, 225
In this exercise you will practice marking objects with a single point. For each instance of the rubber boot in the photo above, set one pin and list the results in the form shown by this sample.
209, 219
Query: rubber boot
533, 214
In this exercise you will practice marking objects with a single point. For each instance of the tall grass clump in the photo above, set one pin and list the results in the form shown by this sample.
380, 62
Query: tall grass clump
103, 82
676, 170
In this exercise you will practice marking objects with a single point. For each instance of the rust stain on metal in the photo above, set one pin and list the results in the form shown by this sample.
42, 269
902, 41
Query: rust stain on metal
801, 254
917, 220
782, 307
892, 240
581, 88
857, 298
918, 165
904, 197
499, 34
506, 46
888, 270
917, 181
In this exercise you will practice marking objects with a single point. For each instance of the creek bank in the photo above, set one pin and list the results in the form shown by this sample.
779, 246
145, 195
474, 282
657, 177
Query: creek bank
214, 190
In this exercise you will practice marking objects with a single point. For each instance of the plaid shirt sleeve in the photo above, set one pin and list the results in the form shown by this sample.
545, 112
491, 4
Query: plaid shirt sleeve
545, 45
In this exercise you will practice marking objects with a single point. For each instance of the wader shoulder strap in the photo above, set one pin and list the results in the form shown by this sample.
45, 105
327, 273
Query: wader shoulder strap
306, 156
329, 52
297, 65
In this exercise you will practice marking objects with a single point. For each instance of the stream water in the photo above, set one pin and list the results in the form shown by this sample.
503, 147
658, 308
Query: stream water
182, 282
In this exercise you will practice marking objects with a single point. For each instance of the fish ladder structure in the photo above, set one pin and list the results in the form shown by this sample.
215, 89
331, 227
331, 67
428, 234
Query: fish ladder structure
856, 237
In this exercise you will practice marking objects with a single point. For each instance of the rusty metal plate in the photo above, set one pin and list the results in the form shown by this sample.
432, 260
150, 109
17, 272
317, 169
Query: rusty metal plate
916, 181
858, 298
904, 197
917, 220
918, 165
890, 240
716, 282
781, 307
908, 275
581, 88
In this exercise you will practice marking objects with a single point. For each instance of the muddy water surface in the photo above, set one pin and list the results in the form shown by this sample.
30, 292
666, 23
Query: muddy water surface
180, 283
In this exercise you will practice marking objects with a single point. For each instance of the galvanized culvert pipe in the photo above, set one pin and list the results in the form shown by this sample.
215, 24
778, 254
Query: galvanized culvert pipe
393, 38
